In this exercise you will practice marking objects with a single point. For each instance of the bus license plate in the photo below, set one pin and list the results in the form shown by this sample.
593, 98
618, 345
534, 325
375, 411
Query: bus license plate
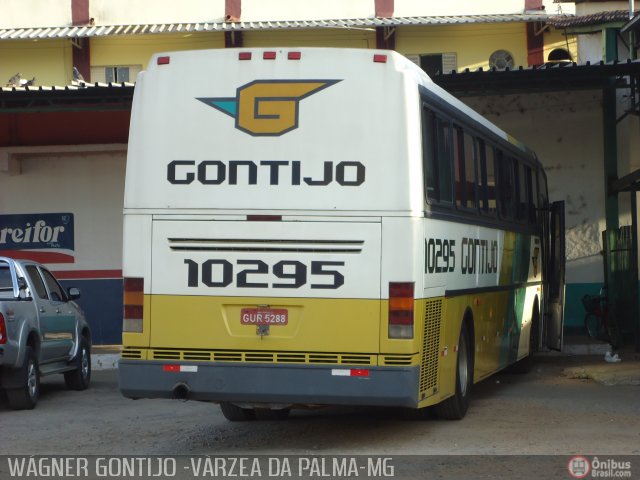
264, 316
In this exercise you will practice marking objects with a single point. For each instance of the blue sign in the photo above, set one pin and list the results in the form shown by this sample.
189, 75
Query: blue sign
43, 237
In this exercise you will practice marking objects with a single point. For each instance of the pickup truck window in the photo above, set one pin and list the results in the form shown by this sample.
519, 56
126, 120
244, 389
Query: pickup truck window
6, 286
5, 277
36, 281
56, 291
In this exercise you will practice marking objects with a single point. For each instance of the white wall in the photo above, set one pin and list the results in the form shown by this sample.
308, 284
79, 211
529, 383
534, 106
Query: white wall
118, 12
49, 13
565, 130
256, 10
566, 8
590, 48
34, 13
91, 186
409, 8
587, 8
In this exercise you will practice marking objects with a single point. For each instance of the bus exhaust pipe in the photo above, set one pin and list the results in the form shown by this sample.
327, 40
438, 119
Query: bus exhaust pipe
181, 391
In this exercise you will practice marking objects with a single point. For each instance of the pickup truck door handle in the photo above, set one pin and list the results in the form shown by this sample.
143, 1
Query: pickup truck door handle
57, 310
41, 310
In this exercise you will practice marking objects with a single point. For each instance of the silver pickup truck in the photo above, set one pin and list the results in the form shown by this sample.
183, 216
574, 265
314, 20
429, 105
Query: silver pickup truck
42, 332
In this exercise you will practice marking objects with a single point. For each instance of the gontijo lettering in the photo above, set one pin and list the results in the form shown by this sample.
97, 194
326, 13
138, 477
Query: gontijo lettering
476, 255
271, 172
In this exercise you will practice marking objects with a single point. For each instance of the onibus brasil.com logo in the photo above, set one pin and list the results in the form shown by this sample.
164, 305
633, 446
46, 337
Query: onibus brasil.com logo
267, 107
582, 467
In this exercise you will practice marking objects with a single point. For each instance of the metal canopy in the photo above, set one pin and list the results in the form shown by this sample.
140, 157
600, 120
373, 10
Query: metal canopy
26, 114
68, 98
545, 78
628, 183
551, 77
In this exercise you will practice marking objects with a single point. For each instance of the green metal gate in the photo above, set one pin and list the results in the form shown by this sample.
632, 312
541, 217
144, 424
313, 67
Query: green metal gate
621, 278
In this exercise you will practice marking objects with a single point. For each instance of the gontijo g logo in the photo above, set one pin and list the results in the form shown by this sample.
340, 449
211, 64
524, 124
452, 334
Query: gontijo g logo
268, 107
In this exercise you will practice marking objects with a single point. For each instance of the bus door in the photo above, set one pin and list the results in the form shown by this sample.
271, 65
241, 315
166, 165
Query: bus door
554, 240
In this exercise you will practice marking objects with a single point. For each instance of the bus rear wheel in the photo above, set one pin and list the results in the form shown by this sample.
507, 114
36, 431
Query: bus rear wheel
455, 407
234, 413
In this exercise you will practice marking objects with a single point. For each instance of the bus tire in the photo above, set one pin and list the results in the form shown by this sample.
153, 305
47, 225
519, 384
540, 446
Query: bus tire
80, 378
26, 396
455, 407
234, 413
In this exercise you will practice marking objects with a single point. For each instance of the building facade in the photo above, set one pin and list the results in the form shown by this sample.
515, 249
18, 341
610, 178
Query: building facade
60, 161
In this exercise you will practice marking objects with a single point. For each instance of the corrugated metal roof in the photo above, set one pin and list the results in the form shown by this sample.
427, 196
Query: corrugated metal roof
96, 87
77, 97
166, 28
599, 18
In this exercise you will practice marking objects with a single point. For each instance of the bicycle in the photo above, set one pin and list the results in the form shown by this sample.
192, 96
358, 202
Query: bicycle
600, 320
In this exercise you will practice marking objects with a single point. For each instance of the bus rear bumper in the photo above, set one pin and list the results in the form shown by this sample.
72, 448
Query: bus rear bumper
280, 384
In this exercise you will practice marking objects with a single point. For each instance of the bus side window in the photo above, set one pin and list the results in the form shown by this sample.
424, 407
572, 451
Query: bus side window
458, 167
437, 156
430, 166
543, 200
487, 178
465, 169
523, 192
532, 198
444, 156
507, 187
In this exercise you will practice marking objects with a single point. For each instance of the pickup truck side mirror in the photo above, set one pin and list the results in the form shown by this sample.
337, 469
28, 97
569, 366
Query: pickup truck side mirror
22, 283
73, 293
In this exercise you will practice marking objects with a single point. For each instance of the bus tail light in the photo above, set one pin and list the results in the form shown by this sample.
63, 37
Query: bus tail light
401, 310
133, 304
3, 330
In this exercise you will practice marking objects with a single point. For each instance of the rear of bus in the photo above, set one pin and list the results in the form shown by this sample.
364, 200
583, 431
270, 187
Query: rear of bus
273, 239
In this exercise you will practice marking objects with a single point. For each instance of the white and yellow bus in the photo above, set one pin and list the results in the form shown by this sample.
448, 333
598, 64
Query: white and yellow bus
327, 227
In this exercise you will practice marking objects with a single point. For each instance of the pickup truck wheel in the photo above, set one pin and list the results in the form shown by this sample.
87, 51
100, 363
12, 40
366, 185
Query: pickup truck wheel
25, 397
80, 378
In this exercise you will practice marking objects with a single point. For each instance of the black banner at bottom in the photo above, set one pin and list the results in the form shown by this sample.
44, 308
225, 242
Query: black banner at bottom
321, 467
